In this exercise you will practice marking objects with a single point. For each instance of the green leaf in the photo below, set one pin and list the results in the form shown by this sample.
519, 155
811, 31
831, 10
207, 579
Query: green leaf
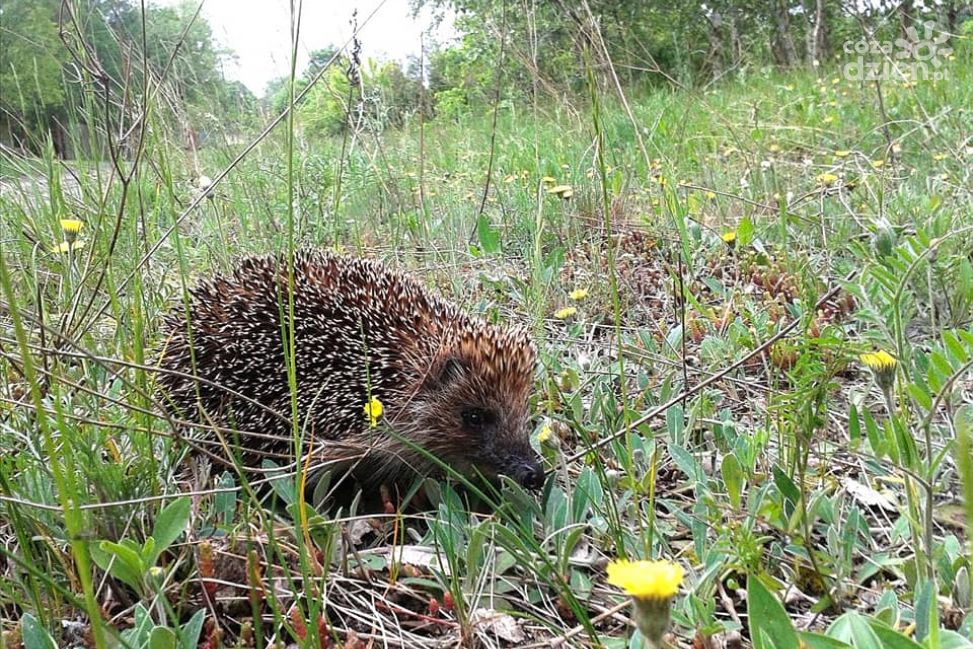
854, 426
488, 236
767, 616
953, 640
792, 495
189, 633
732, 478
926, 612
855, 630
891, 639
818, 641
120, 561
923, 398
955, 348
162, 638
744, 232
875, 441
280, 483
906, 444
224, 502
170, 523
34, 635
138, 634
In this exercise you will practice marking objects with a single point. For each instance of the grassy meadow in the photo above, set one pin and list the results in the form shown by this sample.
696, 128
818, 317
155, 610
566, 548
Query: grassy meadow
705, 273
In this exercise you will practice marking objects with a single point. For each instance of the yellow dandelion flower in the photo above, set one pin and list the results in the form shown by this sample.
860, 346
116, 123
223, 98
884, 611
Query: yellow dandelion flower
545, 433
826, 179
562, 191
578, 294
652, 585
882, 365
374, 410
878, 361
710, 195
565, 313
878, 164
71, 226
729, 237
646, 579
842, 153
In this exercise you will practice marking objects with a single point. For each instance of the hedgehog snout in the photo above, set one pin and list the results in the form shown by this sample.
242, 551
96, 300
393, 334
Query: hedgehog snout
525, 469
530, 475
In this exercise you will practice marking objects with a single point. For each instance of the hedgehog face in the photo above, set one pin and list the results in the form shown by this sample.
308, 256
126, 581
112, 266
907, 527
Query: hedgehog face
476, 414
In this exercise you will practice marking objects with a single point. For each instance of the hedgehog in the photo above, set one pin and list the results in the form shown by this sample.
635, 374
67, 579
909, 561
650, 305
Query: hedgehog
451, 386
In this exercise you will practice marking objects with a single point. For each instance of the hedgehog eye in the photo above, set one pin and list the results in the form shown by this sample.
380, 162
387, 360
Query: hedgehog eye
476, 419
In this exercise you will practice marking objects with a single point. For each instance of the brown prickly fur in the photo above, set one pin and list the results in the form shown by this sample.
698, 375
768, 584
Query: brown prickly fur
360, 330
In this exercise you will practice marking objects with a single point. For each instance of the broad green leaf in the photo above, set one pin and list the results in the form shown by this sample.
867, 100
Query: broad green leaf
927, 615
125, 563
956, 349
818, 641
923, 398
854, 425
280, 483
224, 502
488, 236
147, 551
169, 525
732, 478
891, 639
906, 444
953, 640
33, 635
792, 495
189, 633
767, 616
162, 638
879, 448
138, 634
744, 232
855, 630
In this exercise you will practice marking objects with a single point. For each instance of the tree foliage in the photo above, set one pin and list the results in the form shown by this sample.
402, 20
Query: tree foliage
53, 56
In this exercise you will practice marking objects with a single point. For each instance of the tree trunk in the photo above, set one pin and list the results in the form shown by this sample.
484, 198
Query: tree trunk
952, 17
819, 50
736, 43
783, 46
906, 17
714, 56
58, 136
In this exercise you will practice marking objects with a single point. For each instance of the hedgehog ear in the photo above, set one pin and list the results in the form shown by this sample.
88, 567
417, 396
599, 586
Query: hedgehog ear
451, 370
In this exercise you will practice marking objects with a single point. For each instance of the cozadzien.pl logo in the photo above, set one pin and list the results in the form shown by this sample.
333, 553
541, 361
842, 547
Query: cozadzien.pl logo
914, 57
